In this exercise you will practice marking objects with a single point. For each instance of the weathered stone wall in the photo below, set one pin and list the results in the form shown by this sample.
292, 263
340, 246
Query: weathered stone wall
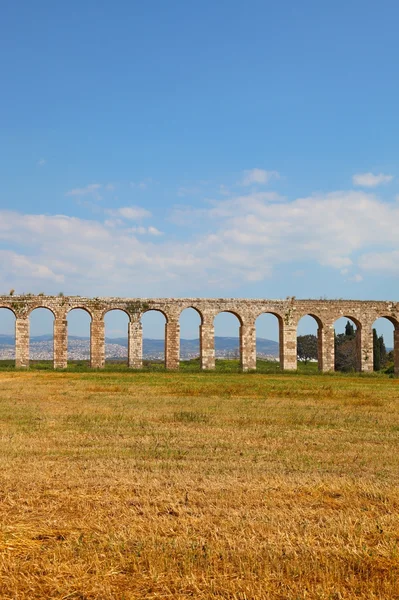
288, 313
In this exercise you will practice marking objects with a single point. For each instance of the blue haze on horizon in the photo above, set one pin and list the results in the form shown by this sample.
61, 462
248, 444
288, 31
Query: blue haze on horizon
215, 149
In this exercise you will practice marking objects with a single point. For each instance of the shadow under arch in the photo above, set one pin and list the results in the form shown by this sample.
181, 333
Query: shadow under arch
319, 341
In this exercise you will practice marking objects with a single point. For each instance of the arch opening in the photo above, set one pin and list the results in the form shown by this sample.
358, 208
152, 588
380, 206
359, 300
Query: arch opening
190, 322
154, 325
116, 332
7, 338
228, 350
267, 340
41, 337
347, 344
310, 343
79, 337
385, 346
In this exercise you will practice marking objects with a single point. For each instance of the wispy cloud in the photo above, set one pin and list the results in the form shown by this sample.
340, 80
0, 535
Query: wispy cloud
258, 176
241, 240
371, 180
41, 162
132, 213
145, 230
92, 189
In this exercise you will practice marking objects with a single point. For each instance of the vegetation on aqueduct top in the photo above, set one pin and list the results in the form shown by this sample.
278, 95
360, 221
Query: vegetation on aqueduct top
118, 485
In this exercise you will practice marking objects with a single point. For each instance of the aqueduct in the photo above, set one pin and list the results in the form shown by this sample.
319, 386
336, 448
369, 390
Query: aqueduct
288, 313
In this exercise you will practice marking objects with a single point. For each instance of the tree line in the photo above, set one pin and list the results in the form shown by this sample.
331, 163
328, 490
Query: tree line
346, 349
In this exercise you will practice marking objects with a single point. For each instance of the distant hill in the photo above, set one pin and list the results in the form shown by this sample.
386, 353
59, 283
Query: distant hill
224, 346
117, 347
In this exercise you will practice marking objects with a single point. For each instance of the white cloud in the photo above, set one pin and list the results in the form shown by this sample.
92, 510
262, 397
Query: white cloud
132, 213
239, 240
25, 267
88, 190
381, 262
370, 180
258, 176
41, 162
356, 278
154, 231
146, 230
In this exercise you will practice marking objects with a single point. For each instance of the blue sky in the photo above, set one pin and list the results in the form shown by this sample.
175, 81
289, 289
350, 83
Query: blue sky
200, 149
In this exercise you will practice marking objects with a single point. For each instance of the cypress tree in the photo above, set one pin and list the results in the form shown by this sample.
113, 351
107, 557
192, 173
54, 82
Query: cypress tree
376, 351
349, 329
383, 351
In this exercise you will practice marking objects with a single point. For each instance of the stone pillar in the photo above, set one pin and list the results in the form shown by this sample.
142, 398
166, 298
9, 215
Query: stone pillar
364, 349
97, 344
207, 346
22, 343
135, 345
288, 347
326, 347
60, 343
248, 347
396, 351
172, 345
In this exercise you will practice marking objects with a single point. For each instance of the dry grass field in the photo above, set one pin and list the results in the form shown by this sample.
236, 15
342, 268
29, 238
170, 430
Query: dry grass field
165, 485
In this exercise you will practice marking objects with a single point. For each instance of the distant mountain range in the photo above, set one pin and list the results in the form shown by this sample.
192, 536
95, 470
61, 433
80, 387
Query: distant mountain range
41, 345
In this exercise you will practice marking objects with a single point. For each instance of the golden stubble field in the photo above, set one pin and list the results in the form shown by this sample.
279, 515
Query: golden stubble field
183, 486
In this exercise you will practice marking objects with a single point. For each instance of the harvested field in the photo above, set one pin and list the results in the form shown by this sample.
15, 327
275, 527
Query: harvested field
188, 485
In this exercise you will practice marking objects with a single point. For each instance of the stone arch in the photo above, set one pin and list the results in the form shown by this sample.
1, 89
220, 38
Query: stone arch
354, 353
395, 339
197, 310
116, 353
82, 352
156, 309
280, 323
7, 307
31, 309
79, 307
319, 336
113, 308
41, 353
191, 354
231, 312
234, 349
154, 348
8, 351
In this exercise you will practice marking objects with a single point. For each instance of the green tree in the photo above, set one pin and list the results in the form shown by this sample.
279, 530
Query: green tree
345, 349
345, 353
376, 351
349, 330
383, 352
307, 347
